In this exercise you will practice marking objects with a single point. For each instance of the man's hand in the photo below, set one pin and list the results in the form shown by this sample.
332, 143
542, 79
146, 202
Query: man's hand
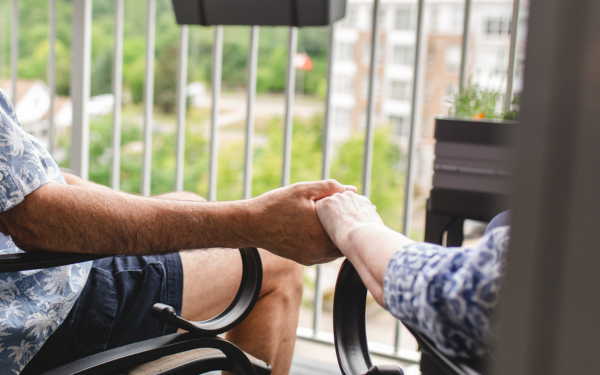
341, 214
285, 221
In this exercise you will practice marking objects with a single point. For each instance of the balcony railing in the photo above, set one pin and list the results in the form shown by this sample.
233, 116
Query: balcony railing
80, 94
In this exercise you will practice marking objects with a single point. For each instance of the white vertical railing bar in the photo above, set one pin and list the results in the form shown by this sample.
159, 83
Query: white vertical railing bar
325, 172
148, 96
318, 301
326, 147
182, 68
465, 45
251, 87
512, 55
81, 56
217, 65
290, 86
51, 69
117, 88
412, 143
368, 156
14, 49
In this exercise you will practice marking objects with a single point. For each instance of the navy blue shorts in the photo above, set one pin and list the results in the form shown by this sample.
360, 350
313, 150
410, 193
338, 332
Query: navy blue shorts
114, 309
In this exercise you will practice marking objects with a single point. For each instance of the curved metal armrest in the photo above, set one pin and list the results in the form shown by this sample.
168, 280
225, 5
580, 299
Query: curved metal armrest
34, 260
351, 339
349, 330
453, 366
237, 310
120, 360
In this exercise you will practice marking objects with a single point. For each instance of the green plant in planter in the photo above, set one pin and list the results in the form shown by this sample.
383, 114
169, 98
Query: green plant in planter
513, 113
474, 102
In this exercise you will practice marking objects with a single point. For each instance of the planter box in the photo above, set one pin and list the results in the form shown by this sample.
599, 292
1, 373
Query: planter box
259, 12
473, 156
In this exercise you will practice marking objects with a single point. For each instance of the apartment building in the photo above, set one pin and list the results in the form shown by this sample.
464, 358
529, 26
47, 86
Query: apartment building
487, 65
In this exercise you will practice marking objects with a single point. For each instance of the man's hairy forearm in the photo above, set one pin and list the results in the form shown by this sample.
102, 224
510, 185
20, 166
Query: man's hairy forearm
76, 219
65, 218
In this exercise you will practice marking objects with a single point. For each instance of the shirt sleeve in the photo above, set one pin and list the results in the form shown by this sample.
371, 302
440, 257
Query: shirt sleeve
449, 294
25, 164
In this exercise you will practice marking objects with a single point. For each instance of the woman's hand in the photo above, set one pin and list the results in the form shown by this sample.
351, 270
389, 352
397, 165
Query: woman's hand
341, 214
356, 229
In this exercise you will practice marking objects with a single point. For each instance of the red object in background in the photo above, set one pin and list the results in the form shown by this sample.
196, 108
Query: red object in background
303, 62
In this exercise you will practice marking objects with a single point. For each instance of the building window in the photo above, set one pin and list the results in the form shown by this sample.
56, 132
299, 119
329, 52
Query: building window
400, 90
343, 85
452, 59
400, 125
345, 51
403, 55
342, 119
404, 19
497, 26
365, 88
367, 52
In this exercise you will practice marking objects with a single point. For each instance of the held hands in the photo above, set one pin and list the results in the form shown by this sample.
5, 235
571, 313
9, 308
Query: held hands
285, 222
342, 213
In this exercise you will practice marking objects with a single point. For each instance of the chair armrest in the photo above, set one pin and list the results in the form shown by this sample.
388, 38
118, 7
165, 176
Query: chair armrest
349, 329
34, 260
351, 339
120, 360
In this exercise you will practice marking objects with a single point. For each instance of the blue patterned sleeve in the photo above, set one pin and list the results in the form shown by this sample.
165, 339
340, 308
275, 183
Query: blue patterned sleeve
25, 164
449, 294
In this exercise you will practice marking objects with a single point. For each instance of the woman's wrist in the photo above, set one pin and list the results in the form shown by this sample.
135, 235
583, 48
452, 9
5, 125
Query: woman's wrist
354, 238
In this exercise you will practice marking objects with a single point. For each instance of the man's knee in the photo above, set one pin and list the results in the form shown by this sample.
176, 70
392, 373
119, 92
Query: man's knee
282, 275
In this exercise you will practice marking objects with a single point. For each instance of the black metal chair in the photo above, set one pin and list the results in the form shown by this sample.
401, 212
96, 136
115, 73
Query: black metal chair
351, 338
196, 351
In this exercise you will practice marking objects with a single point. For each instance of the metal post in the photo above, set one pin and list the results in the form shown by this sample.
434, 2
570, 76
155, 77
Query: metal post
217, 66
325, 171
549, 300
80, 86
14, 50
326, 147
368, 156
251, 87
412, 144
51, 69
465, 45
117, 83
148, 96
181, 105
512, 55
318, 302
290, 84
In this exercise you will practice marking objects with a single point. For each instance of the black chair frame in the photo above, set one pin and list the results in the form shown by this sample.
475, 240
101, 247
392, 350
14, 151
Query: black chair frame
351, 339
199, 334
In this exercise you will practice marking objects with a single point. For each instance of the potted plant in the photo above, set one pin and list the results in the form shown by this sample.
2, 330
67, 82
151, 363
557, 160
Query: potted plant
473, 164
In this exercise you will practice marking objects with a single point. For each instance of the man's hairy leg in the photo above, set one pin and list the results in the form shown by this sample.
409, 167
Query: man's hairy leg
211, 279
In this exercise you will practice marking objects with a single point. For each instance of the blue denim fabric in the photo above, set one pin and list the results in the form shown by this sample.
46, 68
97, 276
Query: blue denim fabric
114, 309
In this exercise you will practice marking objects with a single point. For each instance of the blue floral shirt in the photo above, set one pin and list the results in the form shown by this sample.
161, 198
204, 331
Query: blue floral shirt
32, 303
449, 294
